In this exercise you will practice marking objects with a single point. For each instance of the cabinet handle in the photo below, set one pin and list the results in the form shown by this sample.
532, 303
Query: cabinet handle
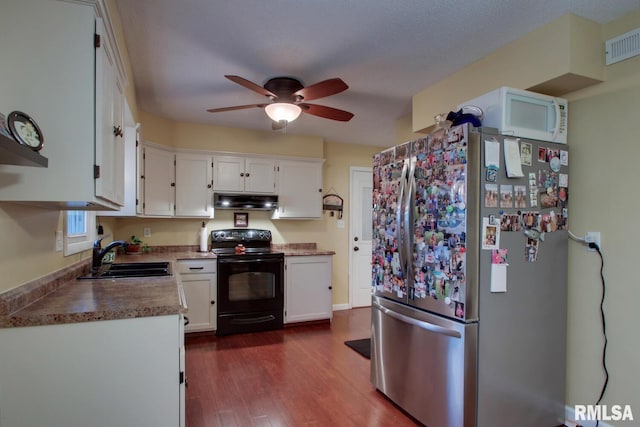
241, 173
209, 186
196, 268
330, 287
173, 184
117, 131
247, 175
213, 302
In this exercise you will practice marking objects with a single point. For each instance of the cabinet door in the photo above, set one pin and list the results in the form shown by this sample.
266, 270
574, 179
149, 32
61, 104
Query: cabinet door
139, 173
299, 189
159, 185
108, 124
228, 173
199, 282
194, 195
260, 176
308, 281
102, 374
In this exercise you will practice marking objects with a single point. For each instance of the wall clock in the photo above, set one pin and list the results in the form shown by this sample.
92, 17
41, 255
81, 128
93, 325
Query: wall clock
25, 130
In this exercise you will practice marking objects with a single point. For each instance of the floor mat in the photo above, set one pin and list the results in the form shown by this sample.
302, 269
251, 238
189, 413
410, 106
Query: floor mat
362, 346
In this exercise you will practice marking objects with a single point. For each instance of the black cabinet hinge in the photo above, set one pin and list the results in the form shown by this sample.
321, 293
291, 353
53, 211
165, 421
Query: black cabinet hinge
96, 171
181, 378
96, 40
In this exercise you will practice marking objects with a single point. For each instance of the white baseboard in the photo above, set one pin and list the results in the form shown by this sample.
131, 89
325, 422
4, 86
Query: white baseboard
569, 415
340, 307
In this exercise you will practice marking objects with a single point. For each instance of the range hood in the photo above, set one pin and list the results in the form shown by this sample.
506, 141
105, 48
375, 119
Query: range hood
245, 201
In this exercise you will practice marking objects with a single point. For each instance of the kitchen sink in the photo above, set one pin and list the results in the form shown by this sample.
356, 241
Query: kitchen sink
132, 269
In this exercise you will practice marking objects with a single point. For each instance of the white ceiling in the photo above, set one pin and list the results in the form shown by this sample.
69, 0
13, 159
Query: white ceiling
385, 50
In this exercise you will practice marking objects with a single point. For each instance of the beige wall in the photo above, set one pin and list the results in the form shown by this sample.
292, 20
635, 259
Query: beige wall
605, 149
27, 247
567, 50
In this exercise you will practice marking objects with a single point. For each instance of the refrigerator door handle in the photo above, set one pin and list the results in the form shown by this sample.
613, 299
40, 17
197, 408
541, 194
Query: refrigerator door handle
419, 323
399, 218
408, 223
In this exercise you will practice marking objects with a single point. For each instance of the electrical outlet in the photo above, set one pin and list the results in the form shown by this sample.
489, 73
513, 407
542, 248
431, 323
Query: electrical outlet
592, 237
146, 232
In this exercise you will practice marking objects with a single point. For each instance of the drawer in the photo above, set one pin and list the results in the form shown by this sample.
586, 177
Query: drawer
197, 266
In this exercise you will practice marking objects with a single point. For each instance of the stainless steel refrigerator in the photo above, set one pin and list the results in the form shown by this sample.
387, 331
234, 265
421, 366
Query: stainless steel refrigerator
470, 278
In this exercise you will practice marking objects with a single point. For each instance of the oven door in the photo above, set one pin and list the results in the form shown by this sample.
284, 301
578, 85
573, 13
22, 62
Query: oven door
250, 293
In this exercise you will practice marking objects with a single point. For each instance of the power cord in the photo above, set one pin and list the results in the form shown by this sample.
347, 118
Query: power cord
604, 327
595, 247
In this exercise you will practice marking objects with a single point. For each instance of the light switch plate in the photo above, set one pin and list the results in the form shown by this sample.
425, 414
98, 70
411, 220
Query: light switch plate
146, 232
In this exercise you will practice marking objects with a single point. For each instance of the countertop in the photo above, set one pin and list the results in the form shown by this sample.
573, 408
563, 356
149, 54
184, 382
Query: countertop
71, 300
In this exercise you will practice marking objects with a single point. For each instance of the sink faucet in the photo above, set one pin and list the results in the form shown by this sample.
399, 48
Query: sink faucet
99, 253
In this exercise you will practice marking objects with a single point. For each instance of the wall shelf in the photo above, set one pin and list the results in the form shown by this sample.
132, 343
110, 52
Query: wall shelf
14, 153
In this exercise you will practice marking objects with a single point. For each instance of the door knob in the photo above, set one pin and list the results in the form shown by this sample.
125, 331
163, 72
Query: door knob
355, 248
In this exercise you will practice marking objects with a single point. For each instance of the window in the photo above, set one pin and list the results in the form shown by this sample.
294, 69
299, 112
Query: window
79, 231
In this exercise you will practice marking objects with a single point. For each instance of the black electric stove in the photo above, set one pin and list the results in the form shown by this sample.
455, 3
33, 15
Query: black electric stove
250, 281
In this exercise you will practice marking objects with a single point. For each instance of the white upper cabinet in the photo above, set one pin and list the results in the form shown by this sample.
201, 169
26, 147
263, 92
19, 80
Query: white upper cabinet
110, 145
133, 167
235, 174
299, 189
176, 184
51, 63
194, 193
159, 182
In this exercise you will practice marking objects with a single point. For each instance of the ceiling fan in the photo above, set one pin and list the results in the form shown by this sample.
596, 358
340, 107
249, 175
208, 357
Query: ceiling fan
289, 98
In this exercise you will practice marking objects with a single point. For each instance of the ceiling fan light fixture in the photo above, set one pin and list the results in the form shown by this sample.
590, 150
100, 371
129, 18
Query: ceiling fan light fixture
279, 111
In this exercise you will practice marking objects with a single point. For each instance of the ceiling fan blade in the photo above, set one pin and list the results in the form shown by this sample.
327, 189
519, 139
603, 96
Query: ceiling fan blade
252, 86
237, 107
322, 89
326, 112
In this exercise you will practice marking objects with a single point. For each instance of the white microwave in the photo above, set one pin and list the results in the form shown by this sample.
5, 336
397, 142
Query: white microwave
523, 113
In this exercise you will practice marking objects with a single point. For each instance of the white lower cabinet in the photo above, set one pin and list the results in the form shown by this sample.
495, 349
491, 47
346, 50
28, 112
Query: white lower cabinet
124, 373
199, 281
308, 288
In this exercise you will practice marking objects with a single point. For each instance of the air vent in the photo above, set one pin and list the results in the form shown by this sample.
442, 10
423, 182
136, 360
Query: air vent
622, 47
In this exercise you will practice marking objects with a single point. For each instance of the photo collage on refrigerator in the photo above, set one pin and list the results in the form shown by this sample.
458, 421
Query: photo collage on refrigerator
438, 260
389, 167
537, 208
440, 217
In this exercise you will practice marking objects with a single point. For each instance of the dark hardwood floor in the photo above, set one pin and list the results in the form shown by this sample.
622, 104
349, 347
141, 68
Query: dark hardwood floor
298, 376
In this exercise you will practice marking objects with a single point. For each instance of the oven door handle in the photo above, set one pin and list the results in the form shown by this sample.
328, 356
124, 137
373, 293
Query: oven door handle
253, 320
245, 261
